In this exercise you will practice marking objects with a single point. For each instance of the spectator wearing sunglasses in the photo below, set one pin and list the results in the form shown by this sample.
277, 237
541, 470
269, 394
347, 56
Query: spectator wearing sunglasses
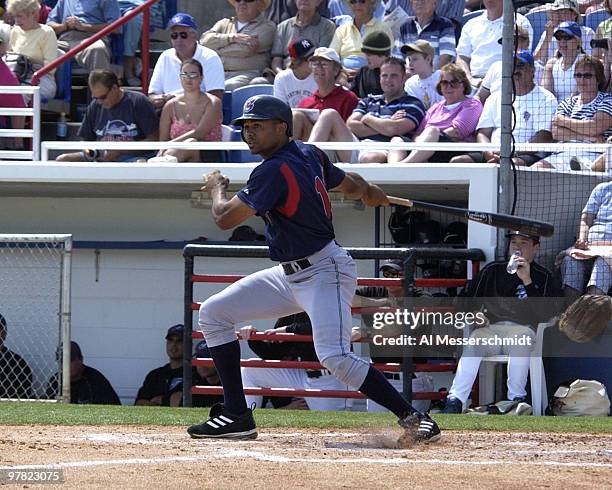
114, 115
559, 72
243, 42
558, 12
582, 118
165, 81
193, 116
534, 108
452, 119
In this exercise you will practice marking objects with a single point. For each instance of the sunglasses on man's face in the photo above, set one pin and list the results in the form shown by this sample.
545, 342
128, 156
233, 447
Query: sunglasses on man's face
563, 37
353, 2
182, 35
586, 76
245, 1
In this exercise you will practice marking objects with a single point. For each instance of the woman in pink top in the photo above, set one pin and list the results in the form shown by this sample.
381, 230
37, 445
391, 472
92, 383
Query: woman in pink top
193, 116
452, 119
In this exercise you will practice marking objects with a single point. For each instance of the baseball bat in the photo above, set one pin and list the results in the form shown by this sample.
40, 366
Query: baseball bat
526, 225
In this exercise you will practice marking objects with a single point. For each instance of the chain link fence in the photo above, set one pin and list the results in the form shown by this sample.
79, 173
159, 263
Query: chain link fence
35, 315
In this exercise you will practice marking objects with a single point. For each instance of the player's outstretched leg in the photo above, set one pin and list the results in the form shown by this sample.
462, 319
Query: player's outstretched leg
418, 427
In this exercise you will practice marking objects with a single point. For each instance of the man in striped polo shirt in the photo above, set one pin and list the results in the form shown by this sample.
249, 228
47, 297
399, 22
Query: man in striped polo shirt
376, 117
427, 25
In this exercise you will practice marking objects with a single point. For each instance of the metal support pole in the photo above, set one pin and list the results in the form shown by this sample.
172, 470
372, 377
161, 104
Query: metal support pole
188, 322
505, 176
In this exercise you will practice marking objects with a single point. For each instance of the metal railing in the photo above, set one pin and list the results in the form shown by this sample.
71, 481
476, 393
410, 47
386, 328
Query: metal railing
33, 133
409, 255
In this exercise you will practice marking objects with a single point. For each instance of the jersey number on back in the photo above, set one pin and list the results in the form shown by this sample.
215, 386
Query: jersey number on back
324, 197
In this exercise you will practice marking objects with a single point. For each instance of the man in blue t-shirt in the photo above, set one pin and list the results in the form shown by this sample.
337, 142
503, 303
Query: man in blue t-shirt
76, 20
376, 117
288, 190
115, 115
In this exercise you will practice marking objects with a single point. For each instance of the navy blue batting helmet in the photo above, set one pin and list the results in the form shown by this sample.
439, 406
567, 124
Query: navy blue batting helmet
262, 107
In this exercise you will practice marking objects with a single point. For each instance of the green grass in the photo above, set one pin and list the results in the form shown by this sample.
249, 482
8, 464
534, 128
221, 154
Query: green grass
24, 413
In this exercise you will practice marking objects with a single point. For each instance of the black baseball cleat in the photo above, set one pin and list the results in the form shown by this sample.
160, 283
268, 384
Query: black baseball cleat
222, 424
420, 427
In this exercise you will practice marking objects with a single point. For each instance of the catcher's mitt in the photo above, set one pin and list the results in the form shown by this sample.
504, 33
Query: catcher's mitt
586, 318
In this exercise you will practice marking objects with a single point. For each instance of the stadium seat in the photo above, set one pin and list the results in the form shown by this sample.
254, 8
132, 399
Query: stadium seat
240, 96
593, 19
538, 22
227, 107
229, 133
539, 393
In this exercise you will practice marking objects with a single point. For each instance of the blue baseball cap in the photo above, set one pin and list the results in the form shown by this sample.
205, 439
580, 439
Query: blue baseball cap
182, 20
570, 28
525, 56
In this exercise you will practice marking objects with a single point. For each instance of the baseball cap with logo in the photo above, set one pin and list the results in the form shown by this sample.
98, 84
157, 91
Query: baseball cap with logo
420, 46
201, 350
564, 4
395, 265
525, 56
182, 20
570, 28
175, 331
326, 54
301, 49
535, 238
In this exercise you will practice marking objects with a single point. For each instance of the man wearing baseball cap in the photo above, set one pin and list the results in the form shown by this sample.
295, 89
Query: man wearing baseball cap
307, 24
165, 81
499, 319
558, 12
372, 119
534, 107
164, 386
326, 67
296, 82
428, 26
243, 42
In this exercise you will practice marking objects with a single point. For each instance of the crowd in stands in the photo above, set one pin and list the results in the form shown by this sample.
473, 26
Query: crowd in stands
320, 55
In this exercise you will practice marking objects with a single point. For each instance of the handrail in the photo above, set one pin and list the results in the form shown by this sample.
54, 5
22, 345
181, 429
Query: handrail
99, 35
33, 112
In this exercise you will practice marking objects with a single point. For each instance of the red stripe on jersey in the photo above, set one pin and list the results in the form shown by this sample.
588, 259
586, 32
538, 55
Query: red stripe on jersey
293, 192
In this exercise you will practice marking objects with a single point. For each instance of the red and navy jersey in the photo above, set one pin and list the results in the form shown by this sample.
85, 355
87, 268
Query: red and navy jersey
289, 191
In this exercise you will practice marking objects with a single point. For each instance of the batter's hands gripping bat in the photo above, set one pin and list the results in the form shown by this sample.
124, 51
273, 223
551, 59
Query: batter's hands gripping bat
526, 225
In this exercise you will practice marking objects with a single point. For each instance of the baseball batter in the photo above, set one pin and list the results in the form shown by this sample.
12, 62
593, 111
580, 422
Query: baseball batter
288, 190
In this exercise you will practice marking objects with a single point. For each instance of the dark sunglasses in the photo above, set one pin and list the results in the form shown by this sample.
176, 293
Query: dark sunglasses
353, 2
450, 83
245, 1
586, 76
563, 37
182, 35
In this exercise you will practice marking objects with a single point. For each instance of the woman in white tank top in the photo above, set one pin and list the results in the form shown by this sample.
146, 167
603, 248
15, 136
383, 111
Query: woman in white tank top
559, 72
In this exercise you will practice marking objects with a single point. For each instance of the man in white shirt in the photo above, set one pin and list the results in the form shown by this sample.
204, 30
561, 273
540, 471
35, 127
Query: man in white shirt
478, 47
534, 108
165, 81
